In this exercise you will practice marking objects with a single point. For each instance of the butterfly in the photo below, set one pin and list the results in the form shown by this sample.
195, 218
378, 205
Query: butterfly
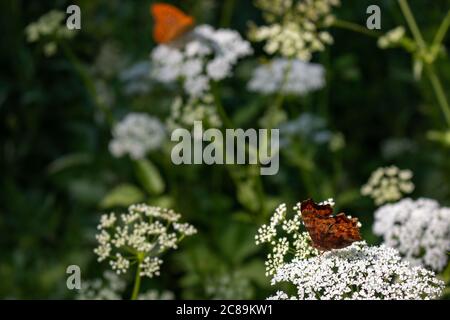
170, 22
327, 231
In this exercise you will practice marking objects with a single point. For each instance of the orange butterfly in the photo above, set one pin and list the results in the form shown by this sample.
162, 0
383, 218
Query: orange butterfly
170, 22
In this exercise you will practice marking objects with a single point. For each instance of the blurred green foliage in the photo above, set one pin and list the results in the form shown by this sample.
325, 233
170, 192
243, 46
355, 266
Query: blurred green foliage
58, 175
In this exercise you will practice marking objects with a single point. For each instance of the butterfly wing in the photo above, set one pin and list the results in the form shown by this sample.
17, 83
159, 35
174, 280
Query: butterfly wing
328, 232
170, 22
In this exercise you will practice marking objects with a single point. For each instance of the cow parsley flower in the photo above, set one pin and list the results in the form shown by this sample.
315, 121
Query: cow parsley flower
50, 29
391, 38
388, 184
357, 272
136, 134
308, 127
139, 236
284, 236
228, 286
296, 28
185, 113
288, 76
112, 287
136, 78
418, 229
208, 55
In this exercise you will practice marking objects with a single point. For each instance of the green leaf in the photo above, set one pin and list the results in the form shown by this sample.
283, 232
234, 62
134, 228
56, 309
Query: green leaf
122, 196
69, 161
149, 177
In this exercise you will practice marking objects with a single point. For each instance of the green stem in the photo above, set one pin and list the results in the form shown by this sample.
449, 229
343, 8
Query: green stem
227, 13
442, 31
86, 79
439, 91
137, 281
355, 27
411, 21
429, 68
220, 109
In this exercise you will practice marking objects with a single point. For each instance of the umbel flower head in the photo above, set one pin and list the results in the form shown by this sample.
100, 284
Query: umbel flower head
357, 272
50, 29
418, 229
112, 287
137, 134
388, 184
139, 236
288, 76
296, 28
208, 55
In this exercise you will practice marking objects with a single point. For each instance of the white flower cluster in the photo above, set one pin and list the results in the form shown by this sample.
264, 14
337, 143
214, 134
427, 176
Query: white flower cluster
296, 27
139, 236
184, 114
357, 272
228, 286
391, 38
109, 287
388, 184
112, 287
136, 134
288, 76
285, 238
50, 28
418, 229
209, 55
136, 78
307, 126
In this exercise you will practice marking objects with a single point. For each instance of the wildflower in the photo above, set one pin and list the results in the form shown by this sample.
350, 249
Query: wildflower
296, 29
418, 229
136, 134
136, 78
50, 29
391, 38
139, 236
111, 287
284, 236
228, 286
288, 76
307, 126
388, 184
357, 272
208, 56
185, 113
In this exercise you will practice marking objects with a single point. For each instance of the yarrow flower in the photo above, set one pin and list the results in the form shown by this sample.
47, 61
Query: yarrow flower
284, 236
288, 76
209, 56
139, 236
388, 184
50, 29
357, 272
137, 134
418, 229
296, 28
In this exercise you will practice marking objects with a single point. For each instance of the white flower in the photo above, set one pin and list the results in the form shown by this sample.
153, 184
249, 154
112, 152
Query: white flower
391, 38
357, 272
210, 54
141, 235
388, 184
136, 134
109, 287
418, 229
50, 28
289, 76
295, 28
